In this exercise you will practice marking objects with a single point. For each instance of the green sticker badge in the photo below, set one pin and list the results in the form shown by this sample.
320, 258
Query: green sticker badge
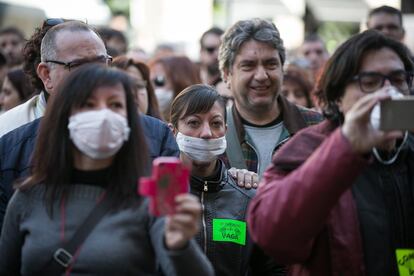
405, 261
229, 230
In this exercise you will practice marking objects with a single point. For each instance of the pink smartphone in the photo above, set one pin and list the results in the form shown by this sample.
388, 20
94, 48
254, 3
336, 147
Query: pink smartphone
169, 178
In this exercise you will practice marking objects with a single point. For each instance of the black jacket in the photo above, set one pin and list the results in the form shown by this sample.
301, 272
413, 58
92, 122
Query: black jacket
223, 224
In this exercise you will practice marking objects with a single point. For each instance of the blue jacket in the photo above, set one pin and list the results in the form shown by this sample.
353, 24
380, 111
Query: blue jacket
16, 148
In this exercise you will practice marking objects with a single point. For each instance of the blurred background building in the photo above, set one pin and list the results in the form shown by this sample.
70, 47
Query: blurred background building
180, 23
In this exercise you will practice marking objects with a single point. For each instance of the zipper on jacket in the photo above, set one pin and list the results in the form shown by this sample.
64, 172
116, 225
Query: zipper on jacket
203, 219
205, 186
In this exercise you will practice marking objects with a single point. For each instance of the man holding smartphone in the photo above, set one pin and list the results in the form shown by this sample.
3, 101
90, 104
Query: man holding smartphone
338, 198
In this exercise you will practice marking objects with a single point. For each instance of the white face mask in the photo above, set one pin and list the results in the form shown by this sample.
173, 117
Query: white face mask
376, 111
98, 134
201, 149
164, 98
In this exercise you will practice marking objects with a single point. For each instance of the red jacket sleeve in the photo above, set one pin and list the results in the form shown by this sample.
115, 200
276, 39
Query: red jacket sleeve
291, 208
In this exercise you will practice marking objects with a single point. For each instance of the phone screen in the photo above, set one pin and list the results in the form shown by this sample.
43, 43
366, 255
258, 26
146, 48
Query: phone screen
397, 114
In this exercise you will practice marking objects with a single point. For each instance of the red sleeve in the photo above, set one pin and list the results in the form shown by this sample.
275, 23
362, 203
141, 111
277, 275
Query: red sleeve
290, 209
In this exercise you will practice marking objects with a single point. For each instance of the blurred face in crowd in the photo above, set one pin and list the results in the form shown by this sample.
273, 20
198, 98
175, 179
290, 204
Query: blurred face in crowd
11, 45
75, 49
388, 24
162, 87
385, 62
9, 97
141, 95
256, 76
294, 93
315, 53
209, 50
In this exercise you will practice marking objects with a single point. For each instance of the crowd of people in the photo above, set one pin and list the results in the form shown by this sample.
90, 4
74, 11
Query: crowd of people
289, 175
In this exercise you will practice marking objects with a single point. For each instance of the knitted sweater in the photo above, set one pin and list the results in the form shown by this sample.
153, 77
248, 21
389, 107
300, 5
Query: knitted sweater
124, 242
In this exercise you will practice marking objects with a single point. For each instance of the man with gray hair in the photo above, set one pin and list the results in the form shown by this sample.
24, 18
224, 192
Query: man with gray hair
251, 59
64, 47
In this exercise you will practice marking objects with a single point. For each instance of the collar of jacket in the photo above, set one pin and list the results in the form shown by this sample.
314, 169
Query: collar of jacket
197, 183
292, 118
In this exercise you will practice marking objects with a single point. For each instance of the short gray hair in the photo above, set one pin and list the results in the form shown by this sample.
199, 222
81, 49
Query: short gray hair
245, 30
49, 49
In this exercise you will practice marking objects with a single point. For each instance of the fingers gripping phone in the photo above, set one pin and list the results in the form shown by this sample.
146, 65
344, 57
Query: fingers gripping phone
169, 178
397, 114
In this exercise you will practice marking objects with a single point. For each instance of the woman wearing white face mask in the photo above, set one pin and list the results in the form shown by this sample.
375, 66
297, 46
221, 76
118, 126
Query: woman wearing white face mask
89, 154
199, 123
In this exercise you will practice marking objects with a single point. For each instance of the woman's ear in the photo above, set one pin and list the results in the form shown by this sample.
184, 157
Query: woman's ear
174, 131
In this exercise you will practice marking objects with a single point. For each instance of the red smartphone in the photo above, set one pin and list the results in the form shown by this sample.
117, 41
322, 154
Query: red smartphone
169, 178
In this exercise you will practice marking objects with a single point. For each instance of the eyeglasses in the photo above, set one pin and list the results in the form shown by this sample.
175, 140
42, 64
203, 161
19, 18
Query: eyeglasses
53, 22
159, 81
106, 59
210, 50
370, 81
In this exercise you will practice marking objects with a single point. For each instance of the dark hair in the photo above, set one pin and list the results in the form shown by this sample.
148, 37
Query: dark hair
195, 99
12, 30
345, 63
21, 82
297, 77
31, 51
388, 10
53, 155
108, 34
314, 38
214, 30
123, 62
180, 70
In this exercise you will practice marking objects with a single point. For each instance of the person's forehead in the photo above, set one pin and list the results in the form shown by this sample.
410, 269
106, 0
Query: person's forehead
211, 40
381, 60
383, 19
253, 48
9, 37
312, 45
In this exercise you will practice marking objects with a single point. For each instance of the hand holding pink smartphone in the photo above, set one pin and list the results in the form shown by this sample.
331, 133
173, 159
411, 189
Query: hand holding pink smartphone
169, 178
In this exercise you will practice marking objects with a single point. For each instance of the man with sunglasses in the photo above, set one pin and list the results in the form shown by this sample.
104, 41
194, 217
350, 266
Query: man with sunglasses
60, 47
338, 198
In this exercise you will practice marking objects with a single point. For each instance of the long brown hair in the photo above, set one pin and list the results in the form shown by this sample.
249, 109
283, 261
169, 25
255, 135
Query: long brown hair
123, 62
53, 160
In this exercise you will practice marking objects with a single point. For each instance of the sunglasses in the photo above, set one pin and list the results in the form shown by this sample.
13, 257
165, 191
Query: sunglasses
50, 22
210, 50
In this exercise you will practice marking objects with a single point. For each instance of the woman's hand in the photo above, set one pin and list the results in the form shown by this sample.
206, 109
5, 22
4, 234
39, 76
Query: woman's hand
245, 178
358, 129
182, 226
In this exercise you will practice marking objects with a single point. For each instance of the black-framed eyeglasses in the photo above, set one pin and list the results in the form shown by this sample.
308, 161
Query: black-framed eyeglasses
371, 81
105, 59
53, 22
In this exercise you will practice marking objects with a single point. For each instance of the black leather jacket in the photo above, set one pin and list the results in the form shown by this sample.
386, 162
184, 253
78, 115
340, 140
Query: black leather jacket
222, 226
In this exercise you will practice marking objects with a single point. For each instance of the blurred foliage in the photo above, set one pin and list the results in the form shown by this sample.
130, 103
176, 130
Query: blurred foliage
334, 33
118, 7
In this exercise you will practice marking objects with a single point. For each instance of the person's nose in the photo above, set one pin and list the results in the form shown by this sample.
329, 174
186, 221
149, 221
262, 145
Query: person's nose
261, 74
206, 131
387, 83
